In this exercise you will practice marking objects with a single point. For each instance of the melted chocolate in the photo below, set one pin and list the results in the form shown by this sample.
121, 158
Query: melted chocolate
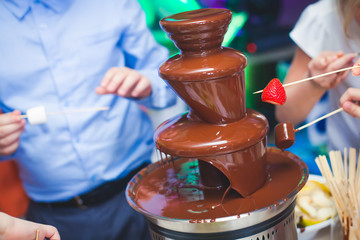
197, 32
216, 101
182, 136
210, 79
175, 190
224, 166
284, 135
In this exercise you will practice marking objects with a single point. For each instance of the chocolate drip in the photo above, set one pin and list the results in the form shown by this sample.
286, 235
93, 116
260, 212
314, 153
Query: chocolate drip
223, 166
175, 191
210, 79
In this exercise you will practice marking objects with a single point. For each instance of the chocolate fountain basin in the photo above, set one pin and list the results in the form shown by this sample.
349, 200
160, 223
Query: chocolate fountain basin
236, 150
264, 218
221, 182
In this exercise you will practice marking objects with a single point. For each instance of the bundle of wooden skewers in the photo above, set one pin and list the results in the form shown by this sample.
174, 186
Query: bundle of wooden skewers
343, 179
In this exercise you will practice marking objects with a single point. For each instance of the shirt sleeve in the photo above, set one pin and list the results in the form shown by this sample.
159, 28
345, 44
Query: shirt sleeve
310, 32
145, 55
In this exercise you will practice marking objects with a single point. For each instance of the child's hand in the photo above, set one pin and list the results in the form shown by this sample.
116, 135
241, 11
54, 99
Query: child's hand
327, 62
124, 82
349, 101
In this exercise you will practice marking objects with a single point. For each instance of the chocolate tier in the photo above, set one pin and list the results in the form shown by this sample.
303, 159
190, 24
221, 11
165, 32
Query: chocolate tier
221, 166
210, 79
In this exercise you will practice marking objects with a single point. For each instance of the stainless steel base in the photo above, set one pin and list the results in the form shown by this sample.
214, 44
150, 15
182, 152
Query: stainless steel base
281, 227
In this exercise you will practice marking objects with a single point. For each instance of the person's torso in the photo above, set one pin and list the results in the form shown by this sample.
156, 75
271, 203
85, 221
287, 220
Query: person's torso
320, 28
57, 60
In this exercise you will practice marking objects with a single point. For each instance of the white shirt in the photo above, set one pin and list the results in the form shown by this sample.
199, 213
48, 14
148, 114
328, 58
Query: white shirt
320, 28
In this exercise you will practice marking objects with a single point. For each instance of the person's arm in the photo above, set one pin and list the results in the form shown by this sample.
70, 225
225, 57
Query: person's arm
11, 127
18, 229
302, 97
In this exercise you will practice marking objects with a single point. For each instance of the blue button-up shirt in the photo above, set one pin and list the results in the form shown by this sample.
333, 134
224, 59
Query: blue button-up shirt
54, 53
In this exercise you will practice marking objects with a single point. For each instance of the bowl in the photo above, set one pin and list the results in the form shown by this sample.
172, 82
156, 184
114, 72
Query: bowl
327, 230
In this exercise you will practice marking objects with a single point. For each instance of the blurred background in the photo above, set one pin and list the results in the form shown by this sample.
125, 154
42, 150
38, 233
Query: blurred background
260, 29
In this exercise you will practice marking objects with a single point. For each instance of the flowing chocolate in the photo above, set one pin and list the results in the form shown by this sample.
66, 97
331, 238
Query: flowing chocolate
222, 166
210, 79
284, 135
175, 190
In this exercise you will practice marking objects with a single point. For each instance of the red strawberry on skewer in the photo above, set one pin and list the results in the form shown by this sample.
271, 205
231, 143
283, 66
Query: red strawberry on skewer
274, 93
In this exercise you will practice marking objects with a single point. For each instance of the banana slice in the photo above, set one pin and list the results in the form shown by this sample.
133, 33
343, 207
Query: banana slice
326, 213
322, 199
314, 204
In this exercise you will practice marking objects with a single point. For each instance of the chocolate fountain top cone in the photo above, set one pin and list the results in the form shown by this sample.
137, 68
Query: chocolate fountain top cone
208, 77
199, 30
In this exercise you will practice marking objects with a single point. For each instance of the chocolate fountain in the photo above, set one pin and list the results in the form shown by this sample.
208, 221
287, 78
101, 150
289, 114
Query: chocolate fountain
216, 178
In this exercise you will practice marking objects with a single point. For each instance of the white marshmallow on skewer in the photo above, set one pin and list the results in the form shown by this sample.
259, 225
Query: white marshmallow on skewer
36, 115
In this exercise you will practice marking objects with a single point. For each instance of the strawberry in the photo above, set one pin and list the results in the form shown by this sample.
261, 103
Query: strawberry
274, 93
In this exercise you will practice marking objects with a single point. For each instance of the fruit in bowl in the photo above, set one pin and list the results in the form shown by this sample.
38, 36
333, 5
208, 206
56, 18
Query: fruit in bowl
315, 212
314, 204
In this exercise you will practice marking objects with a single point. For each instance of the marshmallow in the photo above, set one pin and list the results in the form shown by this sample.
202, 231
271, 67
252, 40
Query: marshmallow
36, 115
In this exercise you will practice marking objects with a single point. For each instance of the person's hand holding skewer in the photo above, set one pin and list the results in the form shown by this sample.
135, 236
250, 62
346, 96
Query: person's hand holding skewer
331, 68
11, 127
19, 229
327, 62
349, 101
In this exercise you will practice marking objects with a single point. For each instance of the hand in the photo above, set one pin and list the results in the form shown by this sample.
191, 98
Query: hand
327, 62
124, 82
11, 127
348, 99
12, 228
356, 71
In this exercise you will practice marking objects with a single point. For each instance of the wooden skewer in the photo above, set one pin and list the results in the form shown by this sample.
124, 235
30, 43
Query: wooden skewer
313, 77
319, 119
341, 179
37, 234
73, 111
78, 110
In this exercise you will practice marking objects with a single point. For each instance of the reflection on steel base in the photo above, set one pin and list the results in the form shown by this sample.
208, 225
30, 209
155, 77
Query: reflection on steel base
280, 227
